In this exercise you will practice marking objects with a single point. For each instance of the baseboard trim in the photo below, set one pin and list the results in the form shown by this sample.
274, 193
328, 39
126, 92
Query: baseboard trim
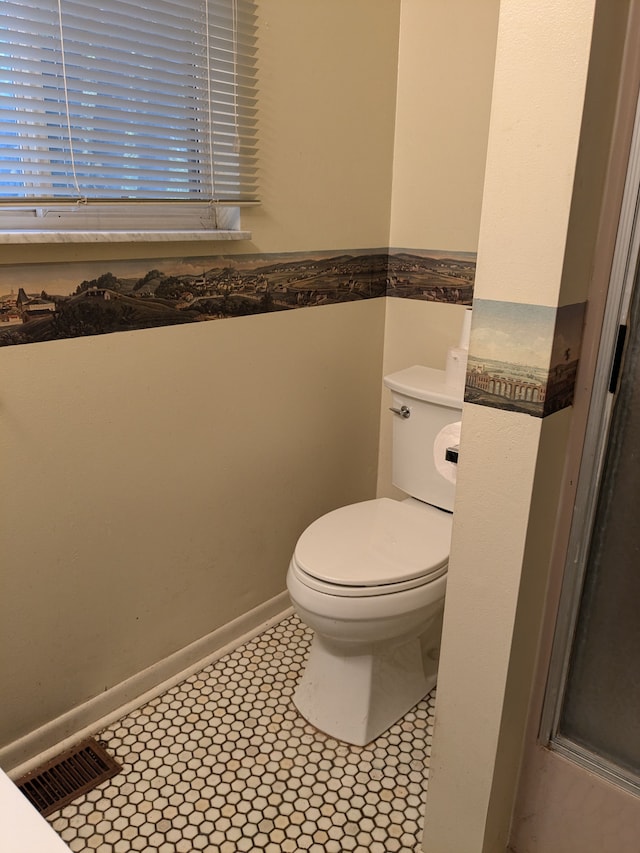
38, 746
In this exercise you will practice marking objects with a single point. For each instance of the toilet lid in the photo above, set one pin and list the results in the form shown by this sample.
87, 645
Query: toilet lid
376, 542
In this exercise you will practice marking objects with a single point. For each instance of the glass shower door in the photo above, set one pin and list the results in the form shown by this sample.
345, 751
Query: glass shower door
600, 712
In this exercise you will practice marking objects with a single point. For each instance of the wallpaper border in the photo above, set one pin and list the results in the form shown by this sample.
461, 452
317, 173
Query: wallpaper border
47, 302
522, 357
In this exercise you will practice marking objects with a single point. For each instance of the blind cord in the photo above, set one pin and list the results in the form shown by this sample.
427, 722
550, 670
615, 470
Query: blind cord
212, 171
236, 141
82, 198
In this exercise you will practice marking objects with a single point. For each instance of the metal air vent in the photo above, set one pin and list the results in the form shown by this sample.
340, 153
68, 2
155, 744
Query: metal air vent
67, 776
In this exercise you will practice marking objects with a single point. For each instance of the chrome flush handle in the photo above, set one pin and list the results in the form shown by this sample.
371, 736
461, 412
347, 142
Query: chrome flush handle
403, 411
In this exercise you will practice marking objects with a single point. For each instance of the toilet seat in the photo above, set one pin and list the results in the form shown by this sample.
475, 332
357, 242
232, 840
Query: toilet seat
374, 548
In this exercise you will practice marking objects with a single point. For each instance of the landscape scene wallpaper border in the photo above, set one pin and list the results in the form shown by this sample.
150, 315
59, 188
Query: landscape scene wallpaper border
523, 357
46, 302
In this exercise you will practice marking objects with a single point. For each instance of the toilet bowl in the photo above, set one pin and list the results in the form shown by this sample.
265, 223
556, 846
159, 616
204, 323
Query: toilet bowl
370, 580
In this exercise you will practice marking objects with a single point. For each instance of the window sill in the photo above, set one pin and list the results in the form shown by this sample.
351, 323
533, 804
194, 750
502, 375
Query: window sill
118, 236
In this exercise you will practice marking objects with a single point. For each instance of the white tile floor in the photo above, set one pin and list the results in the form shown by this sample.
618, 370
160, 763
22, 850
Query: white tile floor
223, 762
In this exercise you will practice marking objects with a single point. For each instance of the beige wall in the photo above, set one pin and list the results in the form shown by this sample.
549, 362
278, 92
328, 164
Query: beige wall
157, 482
327, 95
445, 72
511, 464
154, 482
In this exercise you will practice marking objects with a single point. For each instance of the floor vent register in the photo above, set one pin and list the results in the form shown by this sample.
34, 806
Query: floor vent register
67, 776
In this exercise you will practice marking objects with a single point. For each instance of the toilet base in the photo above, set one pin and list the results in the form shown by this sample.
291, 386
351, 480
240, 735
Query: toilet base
356, 697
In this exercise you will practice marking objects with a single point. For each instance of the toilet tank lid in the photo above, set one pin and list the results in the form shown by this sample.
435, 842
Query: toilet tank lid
424, 383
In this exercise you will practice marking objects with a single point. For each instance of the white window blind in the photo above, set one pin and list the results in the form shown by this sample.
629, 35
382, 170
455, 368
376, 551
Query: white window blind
106, 101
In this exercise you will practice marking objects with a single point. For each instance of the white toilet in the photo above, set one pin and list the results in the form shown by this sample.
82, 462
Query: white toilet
370, 578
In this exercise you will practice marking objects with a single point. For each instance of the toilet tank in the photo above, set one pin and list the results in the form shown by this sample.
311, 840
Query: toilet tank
432, 406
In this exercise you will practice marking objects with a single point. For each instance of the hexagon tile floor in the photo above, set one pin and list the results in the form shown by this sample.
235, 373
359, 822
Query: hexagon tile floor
223, 762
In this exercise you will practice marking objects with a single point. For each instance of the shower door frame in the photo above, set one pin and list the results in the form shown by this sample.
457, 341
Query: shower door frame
625, 271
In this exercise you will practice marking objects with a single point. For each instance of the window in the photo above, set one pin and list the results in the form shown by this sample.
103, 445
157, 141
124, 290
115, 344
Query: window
134, 114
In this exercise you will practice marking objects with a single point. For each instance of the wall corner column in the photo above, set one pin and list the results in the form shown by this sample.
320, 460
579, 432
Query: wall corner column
511, 462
